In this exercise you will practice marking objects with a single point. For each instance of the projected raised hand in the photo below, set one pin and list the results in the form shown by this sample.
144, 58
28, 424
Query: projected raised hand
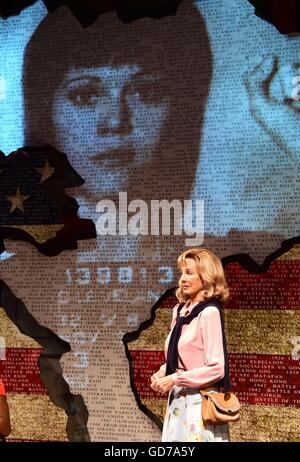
272, 90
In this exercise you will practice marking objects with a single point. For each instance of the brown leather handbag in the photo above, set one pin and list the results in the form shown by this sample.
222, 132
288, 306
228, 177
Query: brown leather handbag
219, 408
5, 428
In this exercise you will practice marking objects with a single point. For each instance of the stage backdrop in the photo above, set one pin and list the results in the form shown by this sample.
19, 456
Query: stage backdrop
199, 107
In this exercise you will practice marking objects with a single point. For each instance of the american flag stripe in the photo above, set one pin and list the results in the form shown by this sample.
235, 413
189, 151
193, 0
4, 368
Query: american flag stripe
258, 378
33, 416
267, 423
277, 288
20, 371
11, 336
242, 327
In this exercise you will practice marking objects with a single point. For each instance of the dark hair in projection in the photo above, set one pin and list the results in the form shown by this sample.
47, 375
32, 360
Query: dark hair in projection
177, 47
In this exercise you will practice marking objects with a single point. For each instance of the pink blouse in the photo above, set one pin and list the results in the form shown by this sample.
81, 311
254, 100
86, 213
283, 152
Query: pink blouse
200, 348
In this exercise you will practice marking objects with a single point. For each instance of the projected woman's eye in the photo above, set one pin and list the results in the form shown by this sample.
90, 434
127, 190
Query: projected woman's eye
146, 91
84, 95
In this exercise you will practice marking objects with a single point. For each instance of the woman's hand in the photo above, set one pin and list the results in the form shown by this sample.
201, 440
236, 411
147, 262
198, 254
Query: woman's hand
163, 384
159, 374
274, 103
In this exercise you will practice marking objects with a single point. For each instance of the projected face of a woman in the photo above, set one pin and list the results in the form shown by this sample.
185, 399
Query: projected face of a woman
108, 120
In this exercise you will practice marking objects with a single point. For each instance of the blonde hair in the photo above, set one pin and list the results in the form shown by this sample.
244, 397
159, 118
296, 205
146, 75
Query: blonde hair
211, 272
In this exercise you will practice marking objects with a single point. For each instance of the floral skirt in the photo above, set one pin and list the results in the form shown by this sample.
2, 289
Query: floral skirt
183, 420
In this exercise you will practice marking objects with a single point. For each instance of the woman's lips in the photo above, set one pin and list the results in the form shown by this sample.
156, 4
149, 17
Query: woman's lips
114, 158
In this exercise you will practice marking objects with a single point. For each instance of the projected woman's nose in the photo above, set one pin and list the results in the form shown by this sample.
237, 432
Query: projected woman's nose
113, 116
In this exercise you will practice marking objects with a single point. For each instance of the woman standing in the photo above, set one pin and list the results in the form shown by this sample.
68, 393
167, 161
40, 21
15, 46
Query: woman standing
195, 349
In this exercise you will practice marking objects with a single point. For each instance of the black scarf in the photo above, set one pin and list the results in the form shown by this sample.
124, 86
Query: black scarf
172, 355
